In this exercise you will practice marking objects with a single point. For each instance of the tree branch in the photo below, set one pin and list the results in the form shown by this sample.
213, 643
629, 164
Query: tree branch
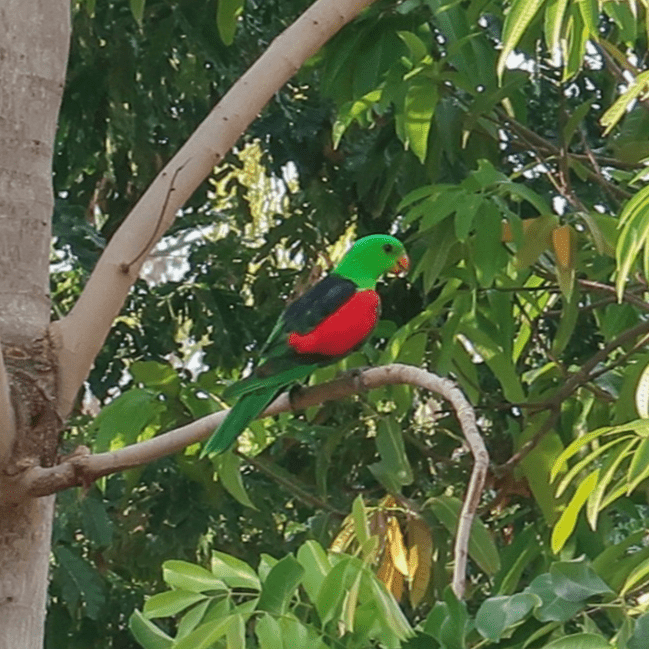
80, 335
7, 422
82, 468
582, 376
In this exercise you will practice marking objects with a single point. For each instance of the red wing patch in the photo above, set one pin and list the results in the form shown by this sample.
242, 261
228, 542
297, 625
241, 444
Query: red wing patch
343, 330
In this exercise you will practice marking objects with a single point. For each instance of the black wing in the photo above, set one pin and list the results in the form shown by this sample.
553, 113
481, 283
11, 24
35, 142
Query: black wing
320, 301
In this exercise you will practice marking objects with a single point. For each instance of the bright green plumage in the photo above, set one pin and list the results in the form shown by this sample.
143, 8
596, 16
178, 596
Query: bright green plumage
281, 365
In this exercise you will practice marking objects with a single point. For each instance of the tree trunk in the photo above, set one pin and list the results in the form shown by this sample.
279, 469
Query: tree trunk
34, 39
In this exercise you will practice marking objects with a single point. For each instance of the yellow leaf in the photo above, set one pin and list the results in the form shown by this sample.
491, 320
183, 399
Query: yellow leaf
563, 242
345, 536
396, 547
390, 576
420, 552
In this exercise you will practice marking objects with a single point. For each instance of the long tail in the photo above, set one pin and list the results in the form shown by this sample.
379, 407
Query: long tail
242, 413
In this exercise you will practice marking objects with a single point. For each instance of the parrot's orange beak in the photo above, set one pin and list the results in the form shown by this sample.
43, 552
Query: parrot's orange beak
402, 266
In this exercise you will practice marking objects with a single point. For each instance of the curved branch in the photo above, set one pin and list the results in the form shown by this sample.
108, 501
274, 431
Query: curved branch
82, 467
80, 335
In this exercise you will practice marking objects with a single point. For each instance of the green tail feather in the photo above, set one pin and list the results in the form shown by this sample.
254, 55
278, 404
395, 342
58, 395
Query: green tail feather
276, 382
242, 413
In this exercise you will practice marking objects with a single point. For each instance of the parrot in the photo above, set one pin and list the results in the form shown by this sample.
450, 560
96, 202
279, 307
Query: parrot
332, 319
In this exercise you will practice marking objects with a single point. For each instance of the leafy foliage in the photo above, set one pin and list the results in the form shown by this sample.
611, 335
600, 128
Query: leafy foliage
498, 142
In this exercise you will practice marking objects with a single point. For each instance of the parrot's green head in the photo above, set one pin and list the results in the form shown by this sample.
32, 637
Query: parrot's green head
372, 256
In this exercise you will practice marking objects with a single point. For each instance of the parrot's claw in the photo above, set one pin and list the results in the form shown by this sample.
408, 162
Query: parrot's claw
294, 394
355, 375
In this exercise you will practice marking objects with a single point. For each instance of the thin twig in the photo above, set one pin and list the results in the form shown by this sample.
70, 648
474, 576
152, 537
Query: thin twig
577, 379
126, 267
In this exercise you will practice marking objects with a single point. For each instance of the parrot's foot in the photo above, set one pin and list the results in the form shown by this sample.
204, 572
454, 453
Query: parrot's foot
294, 393
355, 375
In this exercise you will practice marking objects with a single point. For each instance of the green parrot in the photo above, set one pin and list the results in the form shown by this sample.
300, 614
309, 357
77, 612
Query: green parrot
329, 321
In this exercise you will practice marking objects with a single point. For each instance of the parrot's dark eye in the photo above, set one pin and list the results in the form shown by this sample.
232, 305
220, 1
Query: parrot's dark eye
388, 247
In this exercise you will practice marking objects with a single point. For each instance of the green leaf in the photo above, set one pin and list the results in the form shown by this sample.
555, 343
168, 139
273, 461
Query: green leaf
419, 107
553, 607
205, 635
191, 577
316, 566
296, 635
608, 470
137, 9
574, 447
466, 211
590, 13
496, 614
236, 633
639, 467
642, 394
634, 224
228, 467
576, 42
482, 548
269, 633
394, 469
575, 119
123, 419
147, 633
576, 580
97, 525
638, 577
160, 376
350, 603
415, 45
578, 467
489, 254
170, 603
192, 619
280, 585
352, 111
554, 17
390, 613
568, 519
640, 637
580, 641
417, 195
519, 16
227, 14
614, 114
332, 592
448, 622
80, 582
234, 572
525, 547
361, 524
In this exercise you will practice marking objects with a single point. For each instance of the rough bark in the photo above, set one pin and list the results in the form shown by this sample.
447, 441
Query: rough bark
34, 38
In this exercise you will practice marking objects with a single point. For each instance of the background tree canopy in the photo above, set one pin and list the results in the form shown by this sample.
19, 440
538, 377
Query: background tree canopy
506, 145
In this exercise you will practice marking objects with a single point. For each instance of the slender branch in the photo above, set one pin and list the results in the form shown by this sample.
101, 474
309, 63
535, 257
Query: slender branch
7, 422
627, 296
584, 374
82, 468
80, 335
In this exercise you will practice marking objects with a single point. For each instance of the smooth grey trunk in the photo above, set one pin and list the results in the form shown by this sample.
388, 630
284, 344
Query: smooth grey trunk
34, 40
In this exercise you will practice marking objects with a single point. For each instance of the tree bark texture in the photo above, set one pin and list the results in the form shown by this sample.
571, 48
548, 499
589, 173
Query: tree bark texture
34, 41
